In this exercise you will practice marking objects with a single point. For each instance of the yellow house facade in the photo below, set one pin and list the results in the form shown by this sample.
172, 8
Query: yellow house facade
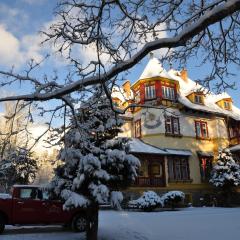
177, 128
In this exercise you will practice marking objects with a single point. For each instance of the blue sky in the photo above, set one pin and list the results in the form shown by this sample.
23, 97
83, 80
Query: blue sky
20, 21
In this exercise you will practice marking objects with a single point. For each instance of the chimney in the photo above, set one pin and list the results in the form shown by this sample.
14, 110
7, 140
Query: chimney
184, 74
127, 87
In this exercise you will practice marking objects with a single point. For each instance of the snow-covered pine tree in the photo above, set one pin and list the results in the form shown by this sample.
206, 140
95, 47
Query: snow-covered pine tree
225, 174
18, 167
96, 163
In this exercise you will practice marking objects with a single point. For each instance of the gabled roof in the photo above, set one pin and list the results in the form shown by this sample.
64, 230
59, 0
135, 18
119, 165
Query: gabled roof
154, 69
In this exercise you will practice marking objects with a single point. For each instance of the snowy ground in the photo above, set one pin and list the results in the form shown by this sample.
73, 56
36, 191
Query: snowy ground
187, 224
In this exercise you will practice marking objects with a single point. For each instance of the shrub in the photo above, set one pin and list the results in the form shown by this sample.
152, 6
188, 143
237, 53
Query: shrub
147, 202
173, 198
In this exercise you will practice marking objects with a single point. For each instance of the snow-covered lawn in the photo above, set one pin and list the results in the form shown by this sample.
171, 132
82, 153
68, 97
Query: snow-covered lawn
187, 224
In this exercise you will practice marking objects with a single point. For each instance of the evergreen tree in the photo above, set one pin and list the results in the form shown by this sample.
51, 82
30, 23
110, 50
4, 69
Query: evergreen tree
225, 174
18, 167
96, 164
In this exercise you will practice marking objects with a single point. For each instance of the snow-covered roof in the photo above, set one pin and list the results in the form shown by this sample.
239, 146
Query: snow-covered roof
118, 92
154, 68
181, 152
235, 148
138, 146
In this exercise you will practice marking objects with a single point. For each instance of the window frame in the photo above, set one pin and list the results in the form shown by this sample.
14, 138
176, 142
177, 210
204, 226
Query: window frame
206, 165
178, 168
198, 99
170, 123
201, 124
137, 129
150, 92
168, 92
227, 105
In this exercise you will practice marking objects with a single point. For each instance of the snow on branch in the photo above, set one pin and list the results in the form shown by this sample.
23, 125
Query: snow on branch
197, 27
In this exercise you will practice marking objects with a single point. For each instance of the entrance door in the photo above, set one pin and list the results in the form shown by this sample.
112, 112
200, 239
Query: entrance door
156, 171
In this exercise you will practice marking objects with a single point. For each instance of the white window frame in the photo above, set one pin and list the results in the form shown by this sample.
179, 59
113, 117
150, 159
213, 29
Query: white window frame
150, 92
227, 105
173, 125
198, 99
168, 92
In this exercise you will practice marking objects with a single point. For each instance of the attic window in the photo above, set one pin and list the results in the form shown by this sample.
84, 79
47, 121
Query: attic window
198, 99
227, 105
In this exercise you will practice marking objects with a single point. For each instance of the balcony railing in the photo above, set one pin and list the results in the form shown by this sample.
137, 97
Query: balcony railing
149, 182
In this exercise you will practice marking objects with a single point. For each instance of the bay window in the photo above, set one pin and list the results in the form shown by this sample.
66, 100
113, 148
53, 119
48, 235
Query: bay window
168, 92
150, 92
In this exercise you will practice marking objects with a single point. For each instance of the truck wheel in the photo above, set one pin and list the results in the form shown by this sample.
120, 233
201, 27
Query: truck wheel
2, 224
79, 223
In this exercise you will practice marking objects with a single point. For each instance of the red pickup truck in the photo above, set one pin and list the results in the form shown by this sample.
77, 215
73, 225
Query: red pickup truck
32, 205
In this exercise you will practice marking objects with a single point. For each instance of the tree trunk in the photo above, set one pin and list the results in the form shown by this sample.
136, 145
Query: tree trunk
92, 226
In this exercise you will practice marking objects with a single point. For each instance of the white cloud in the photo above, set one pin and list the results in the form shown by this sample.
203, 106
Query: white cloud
14, 51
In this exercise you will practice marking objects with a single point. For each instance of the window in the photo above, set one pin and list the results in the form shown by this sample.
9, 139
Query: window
138, 128
172, 125
178, 168
205, 168
201, 129
30, 193
227, 105
168, 92
150, 92
156, 170
137, 96
198, 99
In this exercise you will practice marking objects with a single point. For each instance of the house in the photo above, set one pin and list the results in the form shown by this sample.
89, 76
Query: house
177, 129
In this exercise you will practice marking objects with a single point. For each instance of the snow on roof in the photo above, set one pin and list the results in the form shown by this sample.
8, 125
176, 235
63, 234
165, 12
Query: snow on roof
138, 146
178, 152
235, 148
154, 69
118, 92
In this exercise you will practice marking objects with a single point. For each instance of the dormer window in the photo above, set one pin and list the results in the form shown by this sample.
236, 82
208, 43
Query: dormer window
150, 92
198, 99
227, 105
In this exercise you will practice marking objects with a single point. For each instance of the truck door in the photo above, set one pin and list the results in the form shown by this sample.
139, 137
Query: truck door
28, 208
54, 210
